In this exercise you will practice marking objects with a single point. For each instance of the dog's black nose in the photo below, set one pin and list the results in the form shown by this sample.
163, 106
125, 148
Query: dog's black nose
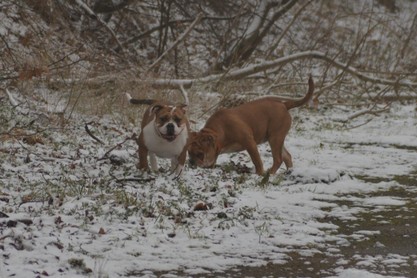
170, 129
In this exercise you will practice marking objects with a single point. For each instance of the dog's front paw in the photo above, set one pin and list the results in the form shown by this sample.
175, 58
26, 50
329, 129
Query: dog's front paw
176, 172
143, 169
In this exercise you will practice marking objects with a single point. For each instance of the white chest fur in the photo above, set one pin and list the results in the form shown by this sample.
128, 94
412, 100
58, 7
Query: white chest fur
161, 147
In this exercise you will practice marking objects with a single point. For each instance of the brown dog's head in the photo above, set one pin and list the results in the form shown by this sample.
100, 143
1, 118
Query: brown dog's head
170, 120
203, 149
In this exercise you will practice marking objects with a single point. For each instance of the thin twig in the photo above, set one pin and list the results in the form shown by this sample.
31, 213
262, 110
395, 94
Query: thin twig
105, 156
131, 179
185, 95
284, 32
359, 125
91, 134
134, 180
371, 111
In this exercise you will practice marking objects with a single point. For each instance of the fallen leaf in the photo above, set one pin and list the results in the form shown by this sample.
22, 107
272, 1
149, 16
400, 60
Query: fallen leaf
200, 206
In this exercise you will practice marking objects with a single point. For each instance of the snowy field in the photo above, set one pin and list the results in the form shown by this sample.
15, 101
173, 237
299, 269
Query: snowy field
70, 208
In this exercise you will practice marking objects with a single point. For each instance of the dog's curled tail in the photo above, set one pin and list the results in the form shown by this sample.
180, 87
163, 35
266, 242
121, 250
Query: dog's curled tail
295, 103
139, 101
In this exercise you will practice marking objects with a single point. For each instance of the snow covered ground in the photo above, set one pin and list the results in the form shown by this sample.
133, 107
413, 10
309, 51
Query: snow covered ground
68, 209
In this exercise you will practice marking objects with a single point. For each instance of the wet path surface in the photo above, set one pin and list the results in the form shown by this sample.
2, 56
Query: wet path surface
380, 240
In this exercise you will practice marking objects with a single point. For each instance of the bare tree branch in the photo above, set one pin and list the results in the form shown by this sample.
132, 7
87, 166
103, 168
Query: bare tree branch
172, 23
373, 111
180, 38
89, 11
281, 36
184, 95
110, 6
256, 32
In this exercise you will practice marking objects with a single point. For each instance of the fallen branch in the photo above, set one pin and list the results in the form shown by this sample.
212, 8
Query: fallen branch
6, 236
134, 180
91, 134
12, 100
133, 137
250, 70
123, 180
371, 111
247, 71
359, 125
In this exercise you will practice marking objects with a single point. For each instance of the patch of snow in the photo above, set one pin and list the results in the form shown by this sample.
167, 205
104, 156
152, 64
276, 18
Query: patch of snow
358, 273
81, 208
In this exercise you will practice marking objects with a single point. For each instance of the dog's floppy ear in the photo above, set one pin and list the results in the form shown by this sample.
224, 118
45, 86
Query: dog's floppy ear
209, 139
184, 107
193, 135
156, 108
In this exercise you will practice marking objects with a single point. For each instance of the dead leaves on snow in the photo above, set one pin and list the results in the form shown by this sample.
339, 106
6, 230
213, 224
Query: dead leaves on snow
21, 135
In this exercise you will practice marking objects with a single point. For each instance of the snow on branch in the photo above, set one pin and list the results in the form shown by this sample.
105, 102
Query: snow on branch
184, 95
12, 100
374, 110
261, 67
253, 69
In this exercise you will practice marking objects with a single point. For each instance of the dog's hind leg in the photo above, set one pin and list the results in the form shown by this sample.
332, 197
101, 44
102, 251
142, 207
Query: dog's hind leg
277, 149
286, 156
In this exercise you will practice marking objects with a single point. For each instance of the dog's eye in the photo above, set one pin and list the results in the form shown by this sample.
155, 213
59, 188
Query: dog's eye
164, 119
177, 120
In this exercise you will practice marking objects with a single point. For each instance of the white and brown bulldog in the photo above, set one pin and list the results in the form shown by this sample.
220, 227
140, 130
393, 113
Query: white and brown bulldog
243, 128
164, 133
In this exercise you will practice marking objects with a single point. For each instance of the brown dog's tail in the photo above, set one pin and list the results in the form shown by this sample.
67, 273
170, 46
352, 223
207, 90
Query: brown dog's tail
139, 101
295, 103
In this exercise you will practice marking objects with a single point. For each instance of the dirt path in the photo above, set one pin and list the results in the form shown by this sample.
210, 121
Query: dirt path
391, 250
380, 241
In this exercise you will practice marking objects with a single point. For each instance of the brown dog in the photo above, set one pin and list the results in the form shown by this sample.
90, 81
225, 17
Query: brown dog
164, 133
243, 128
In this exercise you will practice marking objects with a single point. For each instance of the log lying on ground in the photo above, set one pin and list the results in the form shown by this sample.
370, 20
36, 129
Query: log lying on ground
248, 71
253, 69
